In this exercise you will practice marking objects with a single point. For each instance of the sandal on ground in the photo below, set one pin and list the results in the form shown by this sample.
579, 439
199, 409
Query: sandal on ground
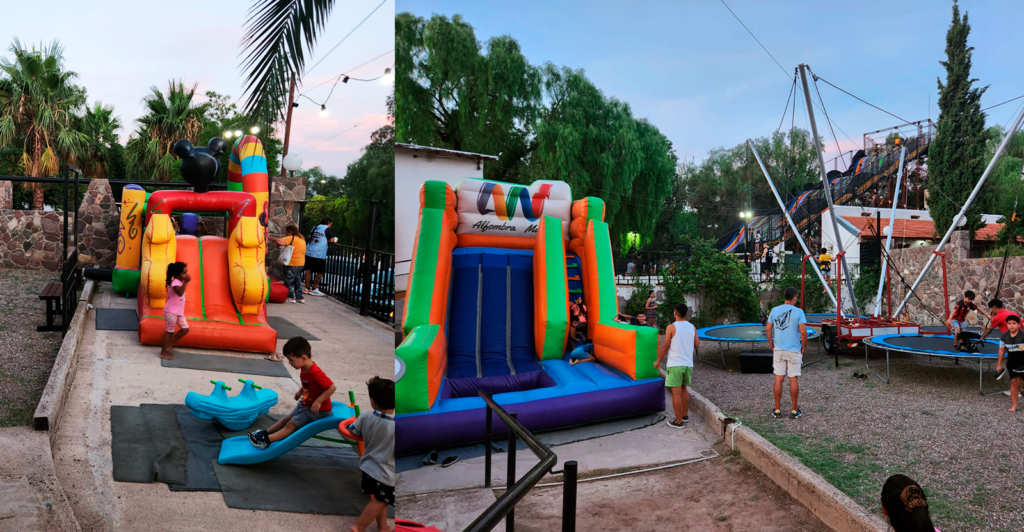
274, 358
430, 459
449, 461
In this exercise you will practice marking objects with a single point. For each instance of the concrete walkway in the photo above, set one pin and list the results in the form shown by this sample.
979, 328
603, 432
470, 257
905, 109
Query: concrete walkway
114, 369
458, 489
31, 498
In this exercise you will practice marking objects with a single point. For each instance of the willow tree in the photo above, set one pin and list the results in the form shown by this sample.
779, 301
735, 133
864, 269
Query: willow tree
956, 157
38, 106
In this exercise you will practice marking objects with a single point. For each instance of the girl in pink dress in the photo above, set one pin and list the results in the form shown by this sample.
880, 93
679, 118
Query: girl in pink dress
174, 310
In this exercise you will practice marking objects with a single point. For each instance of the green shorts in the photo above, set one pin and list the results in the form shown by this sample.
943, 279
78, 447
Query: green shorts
679, 376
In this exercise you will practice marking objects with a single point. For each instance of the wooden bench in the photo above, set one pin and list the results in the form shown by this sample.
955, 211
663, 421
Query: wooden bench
51, 293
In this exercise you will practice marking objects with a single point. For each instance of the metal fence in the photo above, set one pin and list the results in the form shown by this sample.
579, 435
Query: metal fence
646, 266
365, 280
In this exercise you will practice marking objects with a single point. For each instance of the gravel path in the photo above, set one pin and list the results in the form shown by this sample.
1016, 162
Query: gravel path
930, 423
26, 356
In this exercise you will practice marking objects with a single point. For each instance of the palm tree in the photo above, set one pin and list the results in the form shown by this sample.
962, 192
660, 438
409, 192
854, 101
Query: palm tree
101, 126
168, 119
277, 31
38, 104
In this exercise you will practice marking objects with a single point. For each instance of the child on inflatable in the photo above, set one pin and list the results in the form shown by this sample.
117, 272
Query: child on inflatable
314, 398
378, 460
584, 350
174, 310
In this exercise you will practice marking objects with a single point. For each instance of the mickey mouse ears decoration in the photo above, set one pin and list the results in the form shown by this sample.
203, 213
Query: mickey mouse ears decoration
200, 165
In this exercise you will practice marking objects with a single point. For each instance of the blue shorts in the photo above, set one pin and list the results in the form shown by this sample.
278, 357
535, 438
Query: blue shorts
957, 326
582, 352
302, 415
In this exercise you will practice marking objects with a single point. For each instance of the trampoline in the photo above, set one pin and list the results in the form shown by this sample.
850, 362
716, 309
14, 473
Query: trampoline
933, 345
743, 333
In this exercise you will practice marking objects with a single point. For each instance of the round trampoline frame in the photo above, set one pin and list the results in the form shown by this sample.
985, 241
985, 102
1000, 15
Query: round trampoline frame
399, 368
878, 342
759, 344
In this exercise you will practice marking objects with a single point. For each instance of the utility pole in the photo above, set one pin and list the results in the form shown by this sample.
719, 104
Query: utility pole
288, 124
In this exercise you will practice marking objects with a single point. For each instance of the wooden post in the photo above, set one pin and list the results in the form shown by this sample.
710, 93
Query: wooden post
287, 125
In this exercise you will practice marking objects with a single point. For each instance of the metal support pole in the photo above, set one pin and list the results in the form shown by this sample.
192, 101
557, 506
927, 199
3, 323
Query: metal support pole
888, 241
963, 210
368, 259
803, 275
487, 451
288, 124
945, 292
569, 471
511, 478
789, 220
828, 190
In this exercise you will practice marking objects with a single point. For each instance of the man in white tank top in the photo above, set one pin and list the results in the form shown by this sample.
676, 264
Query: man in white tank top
680, 342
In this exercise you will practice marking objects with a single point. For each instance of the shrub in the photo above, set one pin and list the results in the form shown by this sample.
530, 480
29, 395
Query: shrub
720, 283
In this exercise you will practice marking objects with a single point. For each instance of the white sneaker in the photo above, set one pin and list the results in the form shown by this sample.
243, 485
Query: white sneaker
317, 292
290, 300
301, 301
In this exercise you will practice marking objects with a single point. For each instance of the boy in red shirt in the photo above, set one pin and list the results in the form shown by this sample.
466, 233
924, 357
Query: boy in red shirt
998, 318
314, 397
957, 320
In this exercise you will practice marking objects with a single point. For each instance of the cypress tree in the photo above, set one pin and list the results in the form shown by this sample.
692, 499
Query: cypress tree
956, 157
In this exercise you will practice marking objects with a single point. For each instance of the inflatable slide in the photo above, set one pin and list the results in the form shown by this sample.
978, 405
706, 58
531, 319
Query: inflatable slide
226, 300
493, 269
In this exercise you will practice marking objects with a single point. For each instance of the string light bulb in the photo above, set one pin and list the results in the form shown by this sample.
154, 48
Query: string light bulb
323, 111
238, 132
254, 129
227, 134
388, 78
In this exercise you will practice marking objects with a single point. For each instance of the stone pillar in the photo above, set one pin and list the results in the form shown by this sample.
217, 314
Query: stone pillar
285, 207
6, 195
960, 245
98, 220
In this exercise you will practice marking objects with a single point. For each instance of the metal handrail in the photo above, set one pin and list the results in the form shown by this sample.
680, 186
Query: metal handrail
516, 490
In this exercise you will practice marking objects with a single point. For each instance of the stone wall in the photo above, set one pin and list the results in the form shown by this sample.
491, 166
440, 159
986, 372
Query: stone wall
33, 239
962, 273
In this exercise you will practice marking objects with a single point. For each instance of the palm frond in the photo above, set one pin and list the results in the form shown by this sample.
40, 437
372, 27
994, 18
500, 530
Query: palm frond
278, 29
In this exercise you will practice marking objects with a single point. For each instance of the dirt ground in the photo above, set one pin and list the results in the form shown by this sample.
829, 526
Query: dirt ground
26, 356
725, 494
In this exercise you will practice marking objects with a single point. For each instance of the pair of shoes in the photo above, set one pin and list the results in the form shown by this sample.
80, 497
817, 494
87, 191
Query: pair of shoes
793, 414
776, 413
290, 300
300, 301
859, 375
672, 423
430, 459
1000, 374
449, 460
259, 438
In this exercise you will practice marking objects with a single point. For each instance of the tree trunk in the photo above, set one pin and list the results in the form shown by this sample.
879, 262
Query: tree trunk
37, 196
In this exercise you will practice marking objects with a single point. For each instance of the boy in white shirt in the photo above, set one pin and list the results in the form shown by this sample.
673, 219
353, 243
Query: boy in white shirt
680, 342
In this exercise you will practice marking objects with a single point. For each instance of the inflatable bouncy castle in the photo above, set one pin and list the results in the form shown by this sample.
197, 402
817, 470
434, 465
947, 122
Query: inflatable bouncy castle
226, 302
494, 267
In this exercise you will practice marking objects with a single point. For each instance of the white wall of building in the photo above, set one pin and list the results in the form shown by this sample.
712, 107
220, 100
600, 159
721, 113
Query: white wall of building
410, 173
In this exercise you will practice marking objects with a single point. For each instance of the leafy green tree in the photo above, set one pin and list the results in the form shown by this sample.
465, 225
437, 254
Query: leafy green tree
891, 138
222, 108
721, 284
372, 177
38, 105
335, 208
318, 183
956, 157
100, 125
454, 93
543, 123
730, 181
168, 119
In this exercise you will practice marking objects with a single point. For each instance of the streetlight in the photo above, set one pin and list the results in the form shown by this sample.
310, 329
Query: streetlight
292, 162
745, 215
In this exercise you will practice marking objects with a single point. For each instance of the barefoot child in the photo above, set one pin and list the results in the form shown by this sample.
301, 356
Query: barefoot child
378, 460
174, 309
584, 350
680, 341
314, 398
1012, 344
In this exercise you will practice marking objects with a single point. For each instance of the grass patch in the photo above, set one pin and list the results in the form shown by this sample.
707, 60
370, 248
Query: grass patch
942, 511
848, 466
13, 414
